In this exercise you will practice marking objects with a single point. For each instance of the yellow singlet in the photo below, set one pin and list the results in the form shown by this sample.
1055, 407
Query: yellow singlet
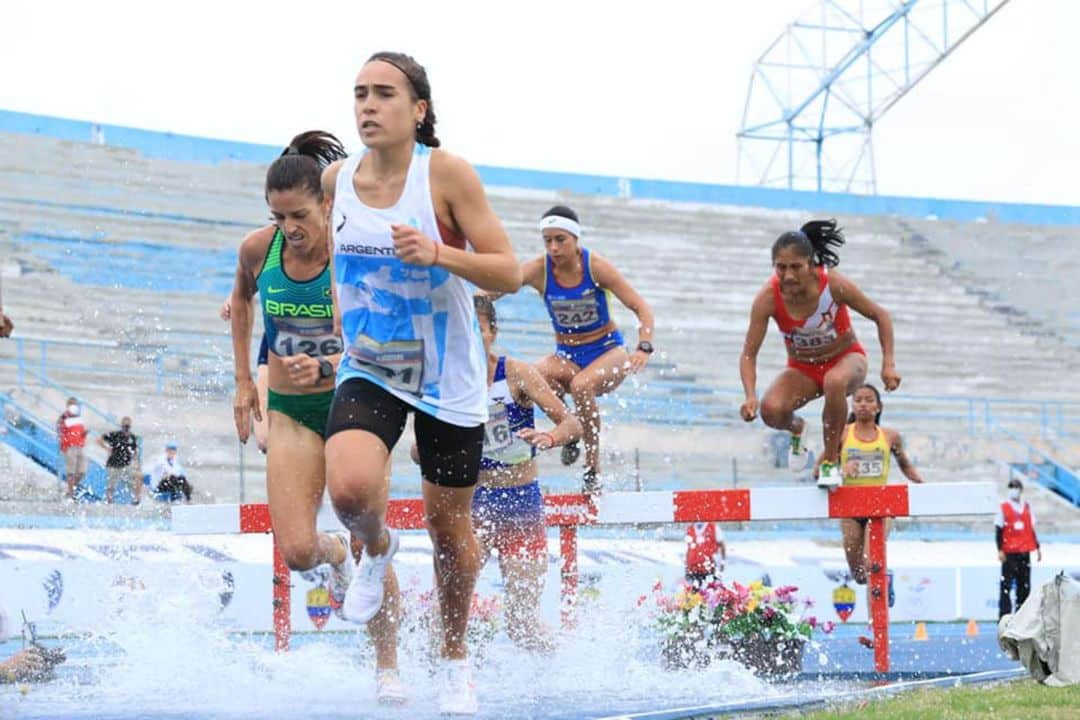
872, 458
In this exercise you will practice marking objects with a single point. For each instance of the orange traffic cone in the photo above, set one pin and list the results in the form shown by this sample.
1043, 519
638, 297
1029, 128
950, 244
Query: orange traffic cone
972, 628
920, 632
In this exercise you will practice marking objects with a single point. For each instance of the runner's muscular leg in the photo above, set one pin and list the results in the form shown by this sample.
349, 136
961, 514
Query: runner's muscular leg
787, 393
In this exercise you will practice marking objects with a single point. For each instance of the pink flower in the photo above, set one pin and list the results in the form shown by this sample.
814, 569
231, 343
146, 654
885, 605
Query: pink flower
641, 600
828, 626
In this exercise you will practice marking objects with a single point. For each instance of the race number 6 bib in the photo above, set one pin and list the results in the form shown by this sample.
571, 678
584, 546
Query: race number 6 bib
578, 312
398, 363
497, 435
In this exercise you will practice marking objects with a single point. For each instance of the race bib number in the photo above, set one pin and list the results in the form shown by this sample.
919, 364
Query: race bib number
812, 339
579, 312
305, 336
497, 435
399, 363
867, 464
501, 444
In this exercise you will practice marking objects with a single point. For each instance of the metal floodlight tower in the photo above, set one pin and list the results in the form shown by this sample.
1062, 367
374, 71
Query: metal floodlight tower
817, 91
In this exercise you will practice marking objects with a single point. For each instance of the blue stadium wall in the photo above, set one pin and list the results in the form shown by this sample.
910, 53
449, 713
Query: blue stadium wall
187, 148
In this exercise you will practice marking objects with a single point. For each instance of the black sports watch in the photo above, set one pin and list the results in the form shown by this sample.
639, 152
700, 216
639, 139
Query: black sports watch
646, 347
326, 369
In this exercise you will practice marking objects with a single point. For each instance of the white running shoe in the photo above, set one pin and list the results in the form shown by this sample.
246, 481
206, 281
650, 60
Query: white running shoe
796, 459
457, 693
829, 476
341, 576
389, 690
365, 594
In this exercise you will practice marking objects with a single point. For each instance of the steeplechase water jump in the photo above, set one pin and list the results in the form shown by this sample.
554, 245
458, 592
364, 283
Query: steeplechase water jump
481, 442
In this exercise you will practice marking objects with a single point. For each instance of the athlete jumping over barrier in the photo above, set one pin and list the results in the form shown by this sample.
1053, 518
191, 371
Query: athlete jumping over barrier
589, 359
809, 303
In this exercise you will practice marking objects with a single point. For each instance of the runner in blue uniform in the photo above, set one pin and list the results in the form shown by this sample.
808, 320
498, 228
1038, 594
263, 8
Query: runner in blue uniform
589, 358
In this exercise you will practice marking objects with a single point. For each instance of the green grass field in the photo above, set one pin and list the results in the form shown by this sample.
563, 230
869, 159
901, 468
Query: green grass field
1023, 700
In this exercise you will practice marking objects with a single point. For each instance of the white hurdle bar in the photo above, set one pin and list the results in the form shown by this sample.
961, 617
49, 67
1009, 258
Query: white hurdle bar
654, 508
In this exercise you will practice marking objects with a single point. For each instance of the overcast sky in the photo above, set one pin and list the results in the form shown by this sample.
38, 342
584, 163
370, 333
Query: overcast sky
642, 89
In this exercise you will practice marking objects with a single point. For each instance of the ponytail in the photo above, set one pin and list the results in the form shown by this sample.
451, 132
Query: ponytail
300, 165
815, 240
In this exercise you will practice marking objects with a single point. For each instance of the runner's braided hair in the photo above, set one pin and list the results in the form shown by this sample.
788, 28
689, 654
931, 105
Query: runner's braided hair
300, 165
419, 86
815, 240
484, 306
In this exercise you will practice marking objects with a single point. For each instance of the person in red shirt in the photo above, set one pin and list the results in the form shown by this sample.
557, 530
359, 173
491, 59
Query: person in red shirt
1016, 539
71, 432
704, 541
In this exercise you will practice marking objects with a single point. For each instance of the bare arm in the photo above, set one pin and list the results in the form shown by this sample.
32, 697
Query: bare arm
527, 380
847, 292
329, 186
896, 445
760, 312
607, 276
492, 265
246, 399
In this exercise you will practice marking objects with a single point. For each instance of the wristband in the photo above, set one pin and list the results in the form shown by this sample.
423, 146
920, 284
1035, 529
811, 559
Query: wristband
551, 439
436, 260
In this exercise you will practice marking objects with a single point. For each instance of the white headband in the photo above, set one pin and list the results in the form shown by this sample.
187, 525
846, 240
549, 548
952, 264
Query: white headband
562, 223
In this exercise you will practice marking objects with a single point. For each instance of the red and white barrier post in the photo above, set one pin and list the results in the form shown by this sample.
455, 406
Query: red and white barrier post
568, 512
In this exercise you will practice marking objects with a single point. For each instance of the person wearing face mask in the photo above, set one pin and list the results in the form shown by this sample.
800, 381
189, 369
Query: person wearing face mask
124, 463
1016, 539
169, 477
71, 433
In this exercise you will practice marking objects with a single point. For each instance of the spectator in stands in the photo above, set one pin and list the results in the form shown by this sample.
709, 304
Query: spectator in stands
124, 464
590, 358
71, 432
706, 553
169, 477
1016, 539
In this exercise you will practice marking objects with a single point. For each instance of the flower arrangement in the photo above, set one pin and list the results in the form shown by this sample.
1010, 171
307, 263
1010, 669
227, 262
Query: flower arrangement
758, 625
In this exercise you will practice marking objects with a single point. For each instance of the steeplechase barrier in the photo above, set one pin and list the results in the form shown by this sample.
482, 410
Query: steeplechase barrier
653, 508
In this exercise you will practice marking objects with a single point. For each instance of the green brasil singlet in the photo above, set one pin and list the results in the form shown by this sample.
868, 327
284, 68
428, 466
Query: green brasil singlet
298, 317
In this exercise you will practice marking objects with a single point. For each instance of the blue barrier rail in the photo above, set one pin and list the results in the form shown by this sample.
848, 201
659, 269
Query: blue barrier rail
1047, 471
34, 437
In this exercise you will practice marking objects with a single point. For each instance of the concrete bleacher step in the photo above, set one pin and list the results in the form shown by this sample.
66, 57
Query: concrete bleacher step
699, 266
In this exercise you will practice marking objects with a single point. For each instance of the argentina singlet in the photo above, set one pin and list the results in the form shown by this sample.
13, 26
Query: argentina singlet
409, 329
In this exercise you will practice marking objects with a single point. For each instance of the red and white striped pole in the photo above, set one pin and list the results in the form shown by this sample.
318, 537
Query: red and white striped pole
568, 512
